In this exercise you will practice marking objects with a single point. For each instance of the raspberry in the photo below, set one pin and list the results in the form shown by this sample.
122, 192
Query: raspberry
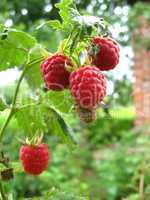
88, 86
104, 53
55, 75
34, 158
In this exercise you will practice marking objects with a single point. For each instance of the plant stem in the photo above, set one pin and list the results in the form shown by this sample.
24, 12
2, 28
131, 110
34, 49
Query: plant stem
4, 197
141, 187
12, 111
13, 104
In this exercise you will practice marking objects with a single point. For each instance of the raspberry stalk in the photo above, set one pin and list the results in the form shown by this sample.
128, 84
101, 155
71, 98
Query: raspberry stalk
12, 110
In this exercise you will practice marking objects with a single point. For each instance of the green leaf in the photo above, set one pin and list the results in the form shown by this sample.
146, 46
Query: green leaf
3, 104
33, 74
58, 126
14, 48
21, 39
36, 116
31, 119
61, 100
55, 24
64, 11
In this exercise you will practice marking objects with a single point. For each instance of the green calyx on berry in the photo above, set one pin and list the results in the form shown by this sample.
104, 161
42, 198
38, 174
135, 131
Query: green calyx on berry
34, 141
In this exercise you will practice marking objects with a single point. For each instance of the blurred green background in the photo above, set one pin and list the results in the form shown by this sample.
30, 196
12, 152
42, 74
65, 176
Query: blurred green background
112, 156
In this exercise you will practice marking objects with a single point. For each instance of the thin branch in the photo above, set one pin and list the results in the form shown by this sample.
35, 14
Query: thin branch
141, 187
12, 111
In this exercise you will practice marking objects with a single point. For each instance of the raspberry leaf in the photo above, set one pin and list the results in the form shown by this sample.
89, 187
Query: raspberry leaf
61, 100
14, 44
33, 75
3, 104
55, 24
30, 118
60, 127
38, 116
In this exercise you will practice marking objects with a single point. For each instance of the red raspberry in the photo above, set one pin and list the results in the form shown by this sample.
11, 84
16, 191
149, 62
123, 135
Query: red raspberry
34, 158
106, 56
55, 75
88, 86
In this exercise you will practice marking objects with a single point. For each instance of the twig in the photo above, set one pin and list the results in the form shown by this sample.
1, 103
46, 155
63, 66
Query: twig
141, 187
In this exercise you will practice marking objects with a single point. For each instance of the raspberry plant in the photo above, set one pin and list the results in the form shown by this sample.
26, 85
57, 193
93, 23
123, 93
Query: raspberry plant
50, 77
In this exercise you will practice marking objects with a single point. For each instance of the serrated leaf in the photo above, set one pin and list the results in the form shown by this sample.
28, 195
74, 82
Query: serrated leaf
55, 24
14, 48
61, 100
37, 116
60, 127
64, 11
21, 39
31, 120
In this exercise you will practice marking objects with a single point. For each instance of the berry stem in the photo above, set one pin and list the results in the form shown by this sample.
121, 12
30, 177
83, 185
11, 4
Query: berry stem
2, 192
12, 111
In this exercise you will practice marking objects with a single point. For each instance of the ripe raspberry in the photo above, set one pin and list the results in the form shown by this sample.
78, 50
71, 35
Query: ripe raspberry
55, 75
104, 53
88, 86
34, 158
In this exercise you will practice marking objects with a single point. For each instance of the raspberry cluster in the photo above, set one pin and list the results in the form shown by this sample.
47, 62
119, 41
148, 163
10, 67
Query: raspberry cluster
86, 83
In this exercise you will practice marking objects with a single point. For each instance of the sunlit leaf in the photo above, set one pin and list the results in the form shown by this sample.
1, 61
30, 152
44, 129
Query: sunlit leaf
14, 48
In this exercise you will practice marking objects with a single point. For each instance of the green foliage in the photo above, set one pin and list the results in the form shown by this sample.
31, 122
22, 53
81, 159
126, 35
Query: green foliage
31, 120
137, 15
141, 42
79, 28
121, 95
113, 171
40, 117
3, 105
62, 100
139, 9
54, 195
33, 74
65, 13
56, 125
15, 45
